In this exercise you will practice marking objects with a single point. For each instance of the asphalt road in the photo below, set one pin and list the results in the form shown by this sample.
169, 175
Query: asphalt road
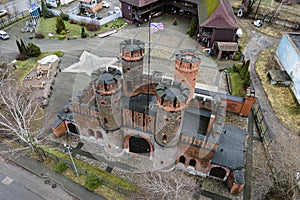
17, 183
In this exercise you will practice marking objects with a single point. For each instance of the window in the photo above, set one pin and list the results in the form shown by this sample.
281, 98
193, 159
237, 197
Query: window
90, 133
192, 163
98, 135
182, 159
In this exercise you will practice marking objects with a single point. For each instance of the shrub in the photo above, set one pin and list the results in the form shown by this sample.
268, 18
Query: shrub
92, 27
64, 16
59, 53
39, 35
21, 57
235, 68
92, 182
45, 12
63, 32
83, 33
61, 37
72, 21
60, 167
33, 50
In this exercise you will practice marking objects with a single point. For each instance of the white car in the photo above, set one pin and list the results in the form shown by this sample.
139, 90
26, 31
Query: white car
3, 35
105, 4
117, 10
3, 13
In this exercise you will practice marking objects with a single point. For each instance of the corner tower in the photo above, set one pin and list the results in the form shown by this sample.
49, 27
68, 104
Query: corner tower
171, 102
107, 85
132, 54
187, 65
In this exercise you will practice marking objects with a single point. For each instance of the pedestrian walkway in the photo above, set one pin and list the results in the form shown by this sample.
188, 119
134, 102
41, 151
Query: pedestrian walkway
67, 184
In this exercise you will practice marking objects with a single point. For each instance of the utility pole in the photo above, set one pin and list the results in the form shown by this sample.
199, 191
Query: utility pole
70, 154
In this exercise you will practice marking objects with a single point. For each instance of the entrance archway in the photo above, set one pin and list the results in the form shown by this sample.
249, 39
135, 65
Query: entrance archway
139, 145
218, 172
72, 128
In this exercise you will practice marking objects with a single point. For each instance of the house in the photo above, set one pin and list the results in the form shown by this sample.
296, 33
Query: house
90, 5
55, 3
288, 56
165, 122
215, 22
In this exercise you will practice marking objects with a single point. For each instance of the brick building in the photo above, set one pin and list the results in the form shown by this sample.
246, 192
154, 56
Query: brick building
163, 122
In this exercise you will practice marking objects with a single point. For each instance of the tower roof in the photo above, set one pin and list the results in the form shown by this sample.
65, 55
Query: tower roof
132, 45
103, 76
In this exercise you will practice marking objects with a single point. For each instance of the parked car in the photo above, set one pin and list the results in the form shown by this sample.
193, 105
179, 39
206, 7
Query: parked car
4, 35
3, 13
111, 12
117, 10
105, 4
98, 17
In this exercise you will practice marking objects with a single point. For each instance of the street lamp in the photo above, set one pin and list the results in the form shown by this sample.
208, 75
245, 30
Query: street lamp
68, 148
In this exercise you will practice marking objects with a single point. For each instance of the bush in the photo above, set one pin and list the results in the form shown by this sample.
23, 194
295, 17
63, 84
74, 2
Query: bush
72, 21
64, 16
92, 182
39, 35
83, 33
61, 37
92, 27
33, 50
21, 57
60, 167
63, 32
59, 53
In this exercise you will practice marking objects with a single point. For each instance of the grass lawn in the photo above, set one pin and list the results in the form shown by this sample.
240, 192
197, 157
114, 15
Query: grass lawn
281, 99
108, 176
49, 25
236, 84
25, 66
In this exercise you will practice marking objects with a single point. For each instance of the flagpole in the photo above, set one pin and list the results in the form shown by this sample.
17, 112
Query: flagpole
148, 98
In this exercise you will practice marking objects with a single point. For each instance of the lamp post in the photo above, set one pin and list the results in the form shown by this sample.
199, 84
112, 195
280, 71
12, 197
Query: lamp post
68, 148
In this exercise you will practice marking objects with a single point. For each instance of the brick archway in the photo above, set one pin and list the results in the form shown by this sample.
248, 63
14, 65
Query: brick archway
218, 172
138, 145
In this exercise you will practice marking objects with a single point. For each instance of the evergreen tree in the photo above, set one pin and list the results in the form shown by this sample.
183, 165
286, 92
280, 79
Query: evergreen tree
60, 25
83, 33
33, 50
192, 29
45, 12
23, 48
245, 68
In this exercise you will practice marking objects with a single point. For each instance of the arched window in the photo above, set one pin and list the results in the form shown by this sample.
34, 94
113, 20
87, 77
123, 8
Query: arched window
90, 132
182, 159
98, 135
192, 163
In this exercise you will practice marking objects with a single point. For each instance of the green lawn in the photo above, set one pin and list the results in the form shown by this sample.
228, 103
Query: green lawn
25, 66
49, 25
108, 176
236, 84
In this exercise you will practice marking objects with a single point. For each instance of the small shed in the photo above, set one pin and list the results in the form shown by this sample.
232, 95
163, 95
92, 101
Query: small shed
279, 77
225, 50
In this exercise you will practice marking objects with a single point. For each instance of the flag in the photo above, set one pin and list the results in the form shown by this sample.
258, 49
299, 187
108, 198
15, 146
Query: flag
156, 26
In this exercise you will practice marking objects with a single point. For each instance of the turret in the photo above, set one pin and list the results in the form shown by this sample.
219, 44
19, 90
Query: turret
187, 65
171, 102
132, 54
107, 85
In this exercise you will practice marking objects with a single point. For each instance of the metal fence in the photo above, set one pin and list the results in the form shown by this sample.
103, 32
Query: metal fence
10, 19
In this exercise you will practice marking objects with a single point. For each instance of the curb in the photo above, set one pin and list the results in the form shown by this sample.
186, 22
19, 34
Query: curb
46, 177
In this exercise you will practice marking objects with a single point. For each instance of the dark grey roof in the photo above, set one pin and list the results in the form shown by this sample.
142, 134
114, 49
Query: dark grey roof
238, 177
279, 75
195, 121
189, 55
56, 123
139, 103
66, 116
230, 152
132, 45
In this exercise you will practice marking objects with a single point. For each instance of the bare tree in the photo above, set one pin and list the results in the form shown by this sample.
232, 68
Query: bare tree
17, 116
171, 185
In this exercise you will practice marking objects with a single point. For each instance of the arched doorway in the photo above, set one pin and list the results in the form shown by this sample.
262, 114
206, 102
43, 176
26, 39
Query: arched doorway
139, 145
192, 163
218, 172
182, 159
72, 128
